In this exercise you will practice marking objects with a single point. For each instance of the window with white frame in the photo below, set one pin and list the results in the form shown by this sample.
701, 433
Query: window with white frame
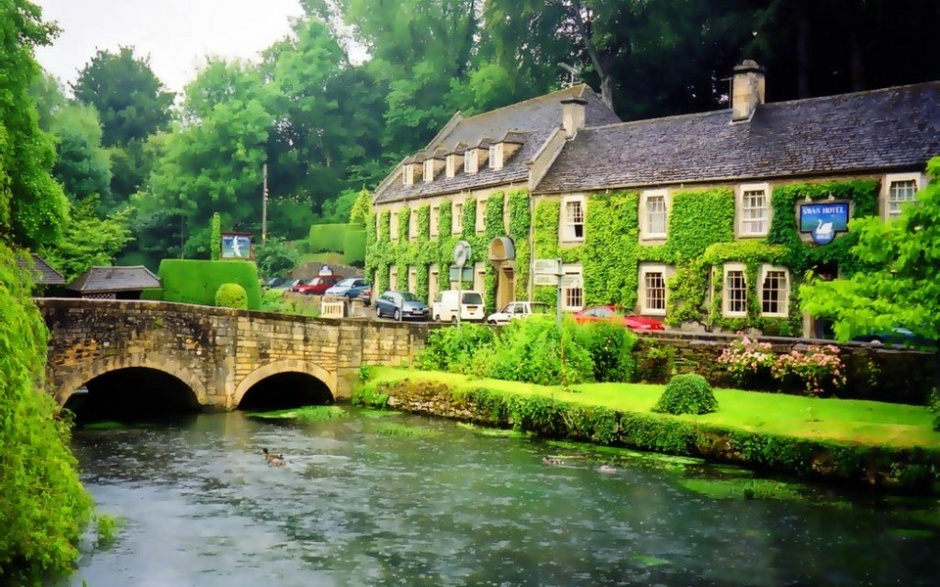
774, 291
470, 161
429, 170
735, 290
393, 226
572, 288
409, 174
654, 213
572, 219
652, 292
496, 156
457, 218
899, 190
481, 216
435, 220
754, 210
392, 278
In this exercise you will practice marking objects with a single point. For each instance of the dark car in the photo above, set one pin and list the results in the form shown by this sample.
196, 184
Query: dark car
316, 286
899, 336
349, 288
612, 313
400, 305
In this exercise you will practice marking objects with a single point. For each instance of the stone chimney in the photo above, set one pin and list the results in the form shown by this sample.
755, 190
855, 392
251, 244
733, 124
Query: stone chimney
747, 90
572, 115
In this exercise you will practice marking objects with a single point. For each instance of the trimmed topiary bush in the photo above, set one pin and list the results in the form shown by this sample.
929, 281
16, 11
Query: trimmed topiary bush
687, 394
231, 295
190, 281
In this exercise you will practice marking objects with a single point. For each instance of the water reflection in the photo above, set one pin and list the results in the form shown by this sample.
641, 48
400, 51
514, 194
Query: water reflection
359, 505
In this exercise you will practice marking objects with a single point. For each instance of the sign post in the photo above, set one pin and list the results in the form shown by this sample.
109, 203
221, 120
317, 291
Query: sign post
547, 272
462, 252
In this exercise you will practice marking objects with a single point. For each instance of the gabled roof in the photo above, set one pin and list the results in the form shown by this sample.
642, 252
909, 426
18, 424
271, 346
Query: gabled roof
893, 128
532, 122
42, 272
115, 279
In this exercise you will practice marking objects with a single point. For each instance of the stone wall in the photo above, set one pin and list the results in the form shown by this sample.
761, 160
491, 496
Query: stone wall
874, 373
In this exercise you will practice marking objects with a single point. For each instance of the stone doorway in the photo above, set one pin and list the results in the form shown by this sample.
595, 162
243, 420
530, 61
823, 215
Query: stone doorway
502, 256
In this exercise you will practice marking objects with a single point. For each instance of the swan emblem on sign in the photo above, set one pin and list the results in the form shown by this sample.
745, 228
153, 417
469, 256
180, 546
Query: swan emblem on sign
823, 231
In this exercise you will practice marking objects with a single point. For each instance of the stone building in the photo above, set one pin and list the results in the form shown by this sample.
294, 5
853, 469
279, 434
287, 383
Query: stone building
702, 220
114, 283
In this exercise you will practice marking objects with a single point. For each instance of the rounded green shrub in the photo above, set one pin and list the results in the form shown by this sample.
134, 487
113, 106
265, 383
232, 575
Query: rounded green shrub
231, 295
687, 394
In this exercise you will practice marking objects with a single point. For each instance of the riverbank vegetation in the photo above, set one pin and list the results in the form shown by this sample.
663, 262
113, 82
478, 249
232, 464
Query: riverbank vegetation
862, 442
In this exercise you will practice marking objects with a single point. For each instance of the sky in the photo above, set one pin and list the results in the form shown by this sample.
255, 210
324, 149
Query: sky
177, 35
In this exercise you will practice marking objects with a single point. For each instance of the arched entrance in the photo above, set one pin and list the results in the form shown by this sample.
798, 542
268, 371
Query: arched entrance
502, 255
131, 394
285, 384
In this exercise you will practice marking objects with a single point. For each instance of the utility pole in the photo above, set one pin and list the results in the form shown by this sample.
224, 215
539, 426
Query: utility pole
264, 207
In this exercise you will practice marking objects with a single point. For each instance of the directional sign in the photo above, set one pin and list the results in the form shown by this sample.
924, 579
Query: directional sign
547, 266
545, 279
572, 281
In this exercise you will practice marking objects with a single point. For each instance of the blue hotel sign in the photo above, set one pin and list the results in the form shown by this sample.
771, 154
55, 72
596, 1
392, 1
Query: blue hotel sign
823, 221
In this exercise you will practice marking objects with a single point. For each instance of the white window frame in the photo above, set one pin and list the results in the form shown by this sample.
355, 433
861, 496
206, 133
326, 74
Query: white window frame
451, 165
889, 181
726, 298
743, 222
393, 226
643, 293
480, 223
567, 232
496, 156
783, 303
456, 218
429, 171
571, 295
471, 161
645, 197
435, 220
409, 174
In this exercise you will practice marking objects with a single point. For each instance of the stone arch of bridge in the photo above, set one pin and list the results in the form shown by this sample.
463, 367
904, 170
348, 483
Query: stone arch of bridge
284, 366
155, 361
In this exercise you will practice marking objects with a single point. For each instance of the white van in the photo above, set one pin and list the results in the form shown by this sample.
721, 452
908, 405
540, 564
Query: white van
444, 308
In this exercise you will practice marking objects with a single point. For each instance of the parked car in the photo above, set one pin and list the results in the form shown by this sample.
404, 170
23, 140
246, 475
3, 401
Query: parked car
897, 336
366, 296
316, 286
277, 282
348, 288
286, 285
612, 313
446, 307
515, 310
401, 305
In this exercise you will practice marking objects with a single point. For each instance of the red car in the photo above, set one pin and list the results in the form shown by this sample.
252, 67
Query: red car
632, 321
316, 286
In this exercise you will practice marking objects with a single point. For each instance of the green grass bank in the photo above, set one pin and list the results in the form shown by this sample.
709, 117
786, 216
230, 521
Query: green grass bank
890, 447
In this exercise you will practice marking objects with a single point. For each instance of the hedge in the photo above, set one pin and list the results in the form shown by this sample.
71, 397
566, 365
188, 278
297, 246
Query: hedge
328, 238
196, 282
354, 246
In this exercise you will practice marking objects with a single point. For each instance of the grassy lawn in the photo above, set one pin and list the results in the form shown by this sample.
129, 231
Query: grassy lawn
854, 421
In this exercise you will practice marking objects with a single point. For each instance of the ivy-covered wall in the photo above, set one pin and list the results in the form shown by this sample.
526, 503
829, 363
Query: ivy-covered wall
700, 241
402, 253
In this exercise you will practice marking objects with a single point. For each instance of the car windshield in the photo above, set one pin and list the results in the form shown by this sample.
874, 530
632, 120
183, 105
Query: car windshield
473, 298
347, 282
409, 297
540, 308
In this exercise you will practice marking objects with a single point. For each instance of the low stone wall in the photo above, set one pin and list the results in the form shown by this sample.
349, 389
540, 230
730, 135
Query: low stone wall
884, 468
875, 373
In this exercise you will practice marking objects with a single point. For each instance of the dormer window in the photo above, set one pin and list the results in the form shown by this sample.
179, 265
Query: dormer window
409, 174
496, 156
471, 162
455, 160
429, 171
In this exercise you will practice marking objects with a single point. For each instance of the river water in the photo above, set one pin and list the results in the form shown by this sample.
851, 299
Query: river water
410, 501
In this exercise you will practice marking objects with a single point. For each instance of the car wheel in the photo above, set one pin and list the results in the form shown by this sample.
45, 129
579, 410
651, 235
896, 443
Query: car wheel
397, 315
436, 318
378, 312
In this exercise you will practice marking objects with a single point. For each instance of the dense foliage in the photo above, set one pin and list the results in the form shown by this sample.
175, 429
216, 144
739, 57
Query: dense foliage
687, 394
231, 295
196, 282
44, 508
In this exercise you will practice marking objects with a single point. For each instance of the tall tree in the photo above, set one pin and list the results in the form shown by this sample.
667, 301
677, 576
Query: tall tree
82, 166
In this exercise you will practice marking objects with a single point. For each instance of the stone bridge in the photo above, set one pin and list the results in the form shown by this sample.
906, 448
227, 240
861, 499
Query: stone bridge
219, 354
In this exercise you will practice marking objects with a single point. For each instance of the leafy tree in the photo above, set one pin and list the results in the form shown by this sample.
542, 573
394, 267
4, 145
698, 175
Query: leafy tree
82, 166
216, 244
89, 240
33, 208
44, 507
900, 284
361, 208
128, 96
275, 258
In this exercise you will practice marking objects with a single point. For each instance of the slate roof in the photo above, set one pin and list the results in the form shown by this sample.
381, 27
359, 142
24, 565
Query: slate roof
114, 279
896, 127
532, 122
43, 273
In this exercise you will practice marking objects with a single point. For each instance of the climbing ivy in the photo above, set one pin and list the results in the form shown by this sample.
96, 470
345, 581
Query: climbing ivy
700, 241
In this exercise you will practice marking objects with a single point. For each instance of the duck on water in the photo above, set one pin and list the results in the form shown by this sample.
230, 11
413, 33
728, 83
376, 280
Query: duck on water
274, 459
